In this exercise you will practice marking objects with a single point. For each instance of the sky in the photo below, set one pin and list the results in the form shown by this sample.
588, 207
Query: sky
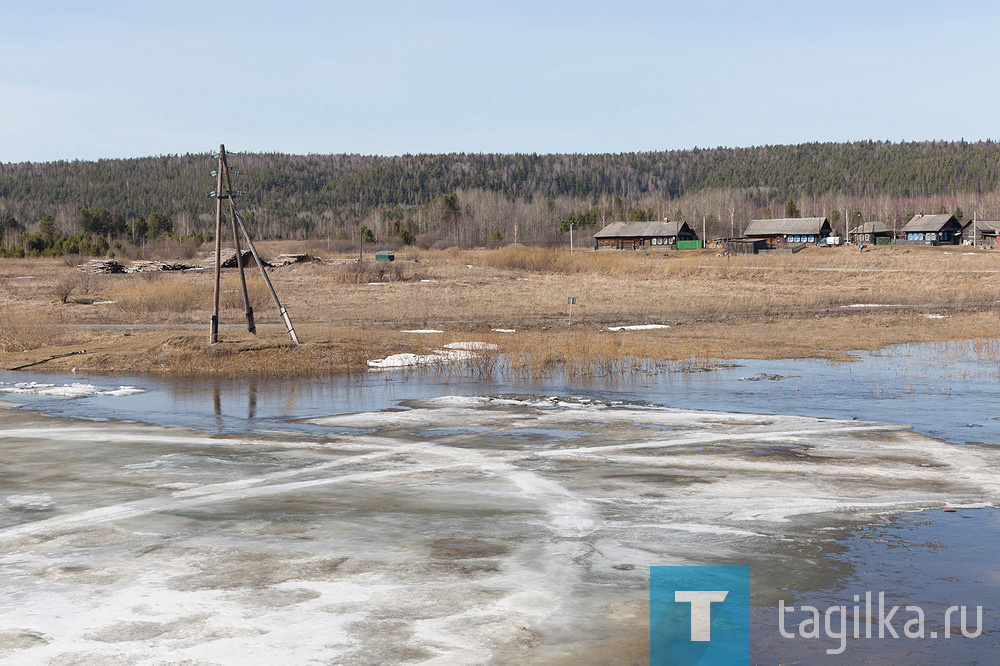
101, 79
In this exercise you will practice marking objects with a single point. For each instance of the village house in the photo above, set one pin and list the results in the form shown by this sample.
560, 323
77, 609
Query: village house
872, 233
941, 229
634, 235
790, 230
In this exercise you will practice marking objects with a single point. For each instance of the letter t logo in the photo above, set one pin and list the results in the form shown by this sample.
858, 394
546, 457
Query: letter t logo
701, 610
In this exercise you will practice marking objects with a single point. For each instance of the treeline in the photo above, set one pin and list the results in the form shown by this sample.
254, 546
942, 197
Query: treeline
100, 232
478, 198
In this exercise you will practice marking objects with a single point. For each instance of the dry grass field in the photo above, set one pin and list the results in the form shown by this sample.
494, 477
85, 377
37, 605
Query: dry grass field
768, 306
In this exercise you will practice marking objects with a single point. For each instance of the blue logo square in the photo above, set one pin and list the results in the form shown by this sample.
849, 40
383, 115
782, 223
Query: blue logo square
700, 615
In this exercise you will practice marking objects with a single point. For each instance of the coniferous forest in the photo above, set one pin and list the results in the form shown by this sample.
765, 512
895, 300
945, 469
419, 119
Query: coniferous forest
471, 199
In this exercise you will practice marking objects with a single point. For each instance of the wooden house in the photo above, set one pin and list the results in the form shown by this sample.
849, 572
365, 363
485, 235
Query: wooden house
789, 230
634, 235
942, 229
872, 233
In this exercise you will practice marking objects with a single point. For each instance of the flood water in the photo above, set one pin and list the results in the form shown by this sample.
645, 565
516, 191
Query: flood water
433, 518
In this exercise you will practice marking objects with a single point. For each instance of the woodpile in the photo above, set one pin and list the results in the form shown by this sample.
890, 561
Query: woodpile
288, 259
102, 266
153, 266
115, 266
229, 259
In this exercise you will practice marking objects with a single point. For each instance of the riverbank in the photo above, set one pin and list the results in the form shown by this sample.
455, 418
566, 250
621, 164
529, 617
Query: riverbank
820, 303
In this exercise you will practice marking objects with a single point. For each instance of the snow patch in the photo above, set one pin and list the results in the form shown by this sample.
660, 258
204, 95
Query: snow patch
936, 316
413, 360
504, 330
637, 327
422, 330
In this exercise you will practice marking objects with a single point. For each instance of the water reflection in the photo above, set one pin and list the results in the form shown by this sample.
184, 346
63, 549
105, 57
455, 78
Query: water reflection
945, 390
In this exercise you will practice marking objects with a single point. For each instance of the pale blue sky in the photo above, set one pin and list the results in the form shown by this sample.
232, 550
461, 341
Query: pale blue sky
85, 80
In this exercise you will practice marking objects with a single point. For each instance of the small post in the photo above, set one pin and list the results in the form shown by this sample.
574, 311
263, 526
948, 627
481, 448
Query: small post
571, 301
571, 238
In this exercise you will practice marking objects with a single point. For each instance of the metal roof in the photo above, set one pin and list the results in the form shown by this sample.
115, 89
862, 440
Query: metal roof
639, 229
929, 222
786, 226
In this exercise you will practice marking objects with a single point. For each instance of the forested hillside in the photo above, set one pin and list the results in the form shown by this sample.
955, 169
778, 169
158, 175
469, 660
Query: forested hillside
467, 199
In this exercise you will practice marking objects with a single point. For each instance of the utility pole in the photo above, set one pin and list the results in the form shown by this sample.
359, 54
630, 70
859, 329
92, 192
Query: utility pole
238, 228
247, 308
214, 334
571, 238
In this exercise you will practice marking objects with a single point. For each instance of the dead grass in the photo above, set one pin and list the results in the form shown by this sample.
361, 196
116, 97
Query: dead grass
30, 331
143, 295
718, 308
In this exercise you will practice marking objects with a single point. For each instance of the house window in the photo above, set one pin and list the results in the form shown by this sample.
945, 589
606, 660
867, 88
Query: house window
812, 239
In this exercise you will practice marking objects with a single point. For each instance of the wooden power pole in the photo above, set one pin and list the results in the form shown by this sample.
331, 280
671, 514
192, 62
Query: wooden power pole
224, 177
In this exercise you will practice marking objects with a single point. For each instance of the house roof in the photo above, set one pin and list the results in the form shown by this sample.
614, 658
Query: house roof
639, 229
871, 228
929, 222
988, 226
784, 226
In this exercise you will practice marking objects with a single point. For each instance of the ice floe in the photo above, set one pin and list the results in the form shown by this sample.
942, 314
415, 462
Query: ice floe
40, 502
74, 390
472, 346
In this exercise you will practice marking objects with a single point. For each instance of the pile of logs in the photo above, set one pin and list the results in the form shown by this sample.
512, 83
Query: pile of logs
103, 266
150, 266
287, 259
229, 259
115, 266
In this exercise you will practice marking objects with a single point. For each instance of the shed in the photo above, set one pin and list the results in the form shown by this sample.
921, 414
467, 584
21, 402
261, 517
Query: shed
633, 235
941, 229
789, 230
743, 245
872, 233
986, 232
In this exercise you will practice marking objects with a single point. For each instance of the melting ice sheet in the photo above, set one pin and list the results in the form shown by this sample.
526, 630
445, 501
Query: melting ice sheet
72, 390
483, 543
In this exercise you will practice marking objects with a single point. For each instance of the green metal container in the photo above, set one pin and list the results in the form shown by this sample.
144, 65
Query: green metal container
385, 255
